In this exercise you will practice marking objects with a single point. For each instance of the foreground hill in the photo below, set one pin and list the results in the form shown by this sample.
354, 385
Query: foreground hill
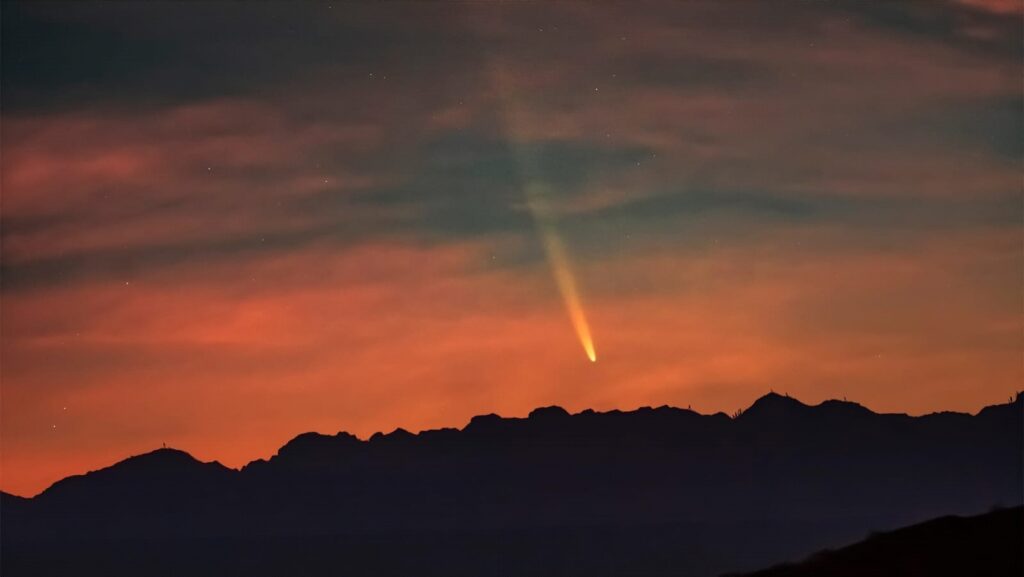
649, 492
989, 545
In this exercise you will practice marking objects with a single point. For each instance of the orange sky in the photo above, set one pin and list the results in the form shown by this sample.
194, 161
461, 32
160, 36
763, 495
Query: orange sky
221, 257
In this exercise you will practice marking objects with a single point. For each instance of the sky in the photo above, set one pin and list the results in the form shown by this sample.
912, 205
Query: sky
225, 224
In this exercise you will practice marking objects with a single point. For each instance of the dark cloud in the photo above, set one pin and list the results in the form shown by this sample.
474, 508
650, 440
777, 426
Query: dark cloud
124, 55
992, 34
694, 72
138, 260
989, 126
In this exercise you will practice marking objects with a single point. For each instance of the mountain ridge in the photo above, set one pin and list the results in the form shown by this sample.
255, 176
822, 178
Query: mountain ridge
771, 405
666, 490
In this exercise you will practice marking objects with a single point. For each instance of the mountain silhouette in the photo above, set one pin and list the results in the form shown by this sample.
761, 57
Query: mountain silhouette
989, 545
655, 491
151, 477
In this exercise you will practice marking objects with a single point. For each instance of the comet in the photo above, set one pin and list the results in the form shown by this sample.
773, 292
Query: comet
558, 258
537, 195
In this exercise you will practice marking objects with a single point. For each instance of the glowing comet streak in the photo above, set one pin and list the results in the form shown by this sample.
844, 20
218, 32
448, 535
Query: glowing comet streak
558, 258
544, 217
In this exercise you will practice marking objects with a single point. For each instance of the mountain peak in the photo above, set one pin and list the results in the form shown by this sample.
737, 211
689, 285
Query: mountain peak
835, 406
484, 423
316, 446
774, 404
162, 455
397, 436
161, 466
1009, 410
547, 413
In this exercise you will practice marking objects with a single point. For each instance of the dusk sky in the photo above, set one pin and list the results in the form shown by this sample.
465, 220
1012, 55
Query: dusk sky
225, 224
